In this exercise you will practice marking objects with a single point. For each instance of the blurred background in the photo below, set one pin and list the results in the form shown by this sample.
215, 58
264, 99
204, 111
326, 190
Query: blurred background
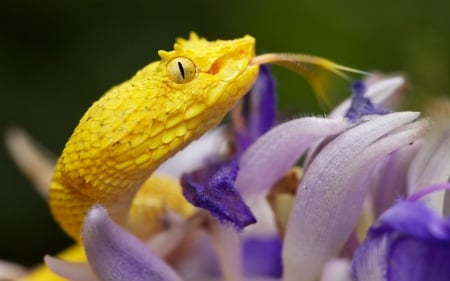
57, 57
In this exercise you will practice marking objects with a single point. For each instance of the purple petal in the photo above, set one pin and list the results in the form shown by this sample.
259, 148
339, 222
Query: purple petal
412, 218
370, 260
360, 104
330, 196
410, 243
428, 191
115, 254
258, 110
215, 191
378, 93
413, 259
272, 155
262, 256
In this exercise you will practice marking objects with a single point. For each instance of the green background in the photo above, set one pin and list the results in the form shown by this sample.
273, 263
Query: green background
57, 57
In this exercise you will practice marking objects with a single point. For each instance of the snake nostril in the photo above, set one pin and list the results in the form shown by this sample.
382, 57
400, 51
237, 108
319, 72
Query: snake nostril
215, 67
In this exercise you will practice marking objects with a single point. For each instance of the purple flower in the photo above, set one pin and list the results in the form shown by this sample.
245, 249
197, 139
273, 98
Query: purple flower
410, 242
324, 212
212, 187
357, 162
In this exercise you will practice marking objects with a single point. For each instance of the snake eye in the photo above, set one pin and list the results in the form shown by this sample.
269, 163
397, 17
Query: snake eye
181, 70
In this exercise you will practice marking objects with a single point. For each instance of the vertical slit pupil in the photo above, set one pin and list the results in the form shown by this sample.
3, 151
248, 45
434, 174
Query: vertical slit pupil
180, 66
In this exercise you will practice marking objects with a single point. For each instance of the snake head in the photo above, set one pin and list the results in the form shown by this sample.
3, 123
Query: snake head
209, 76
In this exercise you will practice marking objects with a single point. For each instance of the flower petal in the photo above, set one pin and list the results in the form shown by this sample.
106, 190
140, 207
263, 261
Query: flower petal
262, 256
360, 104
389, 179
414, 219
34, 160
257, 112
410, 243
214, 190
337, 270
378, 92
431, 166
11, 271
74, 271
333, 188
413, 259
370, 260
212, 186
272, 155
226, 242
115, 254
195, 154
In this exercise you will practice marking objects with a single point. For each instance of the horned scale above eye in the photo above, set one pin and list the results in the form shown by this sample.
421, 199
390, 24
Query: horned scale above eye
181, 70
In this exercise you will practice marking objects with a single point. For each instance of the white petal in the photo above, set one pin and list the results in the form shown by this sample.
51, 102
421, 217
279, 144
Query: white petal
431, 166
10, 271
74, 271
337, 270
193, 156
34, 161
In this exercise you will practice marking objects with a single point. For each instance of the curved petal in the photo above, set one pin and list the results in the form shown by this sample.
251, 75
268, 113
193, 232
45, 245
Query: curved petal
389, 179
34, 160
412, 218
74, 271
332, 191
115, 254
272, 155
431, 166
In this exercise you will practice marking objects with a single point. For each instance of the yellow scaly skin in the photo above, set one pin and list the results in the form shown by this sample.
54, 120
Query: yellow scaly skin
140, 123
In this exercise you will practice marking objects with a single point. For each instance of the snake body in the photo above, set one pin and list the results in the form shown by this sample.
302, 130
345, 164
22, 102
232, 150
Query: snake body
134, 127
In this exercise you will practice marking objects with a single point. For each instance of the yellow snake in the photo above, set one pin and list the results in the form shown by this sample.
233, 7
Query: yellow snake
137, 125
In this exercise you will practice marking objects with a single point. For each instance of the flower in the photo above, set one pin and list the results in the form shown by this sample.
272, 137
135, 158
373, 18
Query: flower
357, 162
211, 187
410, 242
411, 239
